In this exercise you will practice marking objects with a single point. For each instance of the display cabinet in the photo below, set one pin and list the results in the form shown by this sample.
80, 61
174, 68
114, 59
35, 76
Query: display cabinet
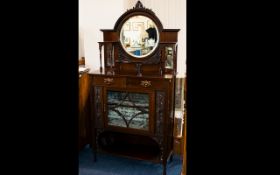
84, 112
132, 96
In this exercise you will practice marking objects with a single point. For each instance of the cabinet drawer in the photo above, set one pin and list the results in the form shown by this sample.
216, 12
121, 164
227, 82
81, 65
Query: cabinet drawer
146, 83
109, 81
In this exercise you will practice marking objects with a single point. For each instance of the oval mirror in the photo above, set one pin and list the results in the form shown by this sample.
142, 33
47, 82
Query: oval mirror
139, 36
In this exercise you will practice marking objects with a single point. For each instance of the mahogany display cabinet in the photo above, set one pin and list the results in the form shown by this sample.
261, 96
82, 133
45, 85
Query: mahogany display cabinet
132, 95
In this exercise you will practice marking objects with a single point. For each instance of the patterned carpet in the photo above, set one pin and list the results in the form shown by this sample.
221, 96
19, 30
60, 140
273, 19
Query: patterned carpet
114, 165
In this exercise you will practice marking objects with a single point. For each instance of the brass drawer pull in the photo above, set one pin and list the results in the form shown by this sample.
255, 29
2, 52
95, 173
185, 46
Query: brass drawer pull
108, 80
146, 83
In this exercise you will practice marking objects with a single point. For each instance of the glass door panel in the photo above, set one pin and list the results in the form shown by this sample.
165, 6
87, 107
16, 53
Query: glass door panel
128, 109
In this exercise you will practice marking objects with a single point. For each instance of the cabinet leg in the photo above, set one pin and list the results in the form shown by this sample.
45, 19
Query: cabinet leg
94, 155
164, 168
171, 158
93, 145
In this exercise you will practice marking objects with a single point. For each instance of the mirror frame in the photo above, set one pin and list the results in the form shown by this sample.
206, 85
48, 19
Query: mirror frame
139, 9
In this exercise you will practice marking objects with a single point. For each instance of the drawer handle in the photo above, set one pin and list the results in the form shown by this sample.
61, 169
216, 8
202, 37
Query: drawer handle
146, 83
108, 80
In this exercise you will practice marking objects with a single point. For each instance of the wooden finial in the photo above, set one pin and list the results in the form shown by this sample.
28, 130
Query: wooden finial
139, 5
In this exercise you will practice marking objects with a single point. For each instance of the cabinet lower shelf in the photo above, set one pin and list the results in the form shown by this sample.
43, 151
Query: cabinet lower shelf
129, 145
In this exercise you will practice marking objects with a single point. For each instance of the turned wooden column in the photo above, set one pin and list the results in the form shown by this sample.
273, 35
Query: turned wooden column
100, 55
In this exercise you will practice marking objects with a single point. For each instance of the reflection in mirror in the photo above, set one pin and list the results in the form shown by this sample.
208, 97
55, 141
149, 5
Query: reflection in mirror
169, 57
139, 36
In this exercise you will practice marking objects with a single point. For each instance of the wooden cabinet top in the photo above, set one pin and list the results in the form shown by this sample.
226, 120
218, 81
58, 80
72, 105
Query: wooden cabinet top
108, 73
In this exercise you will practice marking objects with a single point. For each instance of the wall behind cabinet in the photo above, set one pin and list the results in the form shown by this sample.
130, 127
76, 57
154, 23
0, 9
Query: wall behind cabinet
93, 16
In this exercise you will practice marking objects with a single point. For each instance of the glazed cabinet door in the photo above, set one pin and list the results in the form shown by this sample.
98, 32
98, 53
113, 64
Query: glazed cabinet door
129, 111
